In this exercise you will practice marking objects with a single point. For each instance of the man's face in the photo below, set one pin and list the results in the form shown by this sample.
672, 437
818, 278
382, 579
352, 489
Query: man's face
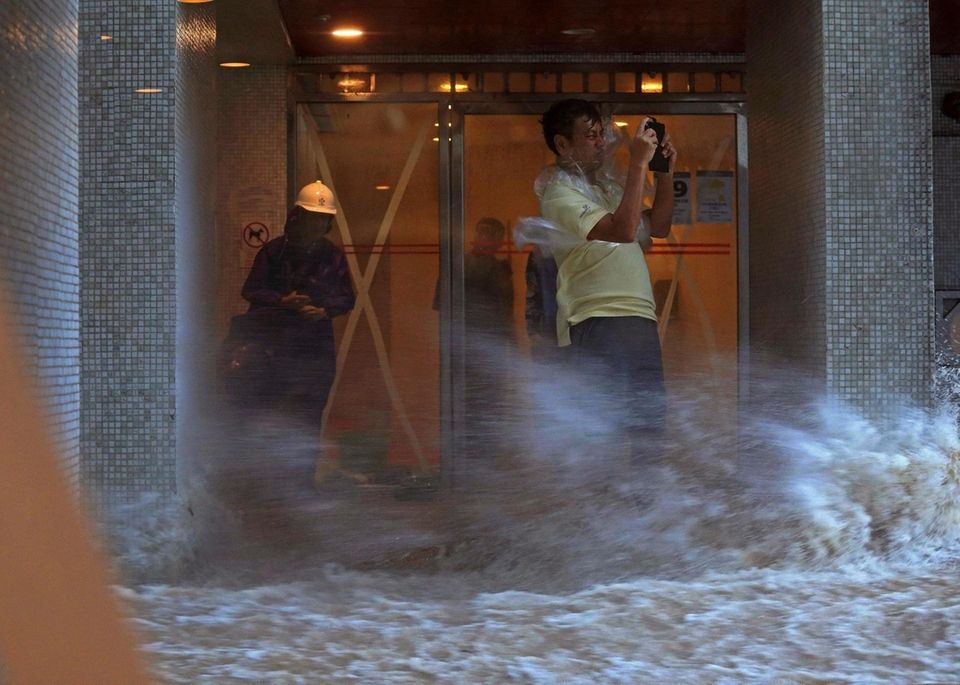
585, 146
313, 226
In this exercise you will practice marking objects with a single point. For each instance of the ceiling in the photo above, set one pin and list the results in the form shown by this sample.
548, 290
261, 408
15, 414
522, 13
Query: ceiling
945, 27
508, 26
279, 31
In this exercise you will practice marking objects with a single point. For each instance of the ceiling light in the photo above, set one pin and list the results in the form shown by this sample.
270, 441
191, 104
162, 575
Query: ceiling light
651, 83
355, 83
105, 37
149, 90
581, 32
621, 124
234, 65
382, 186
347, 33
460, 87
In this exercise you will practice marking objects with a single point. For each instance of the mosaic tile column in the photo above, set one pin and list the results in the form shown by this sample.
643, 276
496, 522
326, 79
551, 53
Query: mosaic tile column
127, 255
879, 201
39, 236
841, 194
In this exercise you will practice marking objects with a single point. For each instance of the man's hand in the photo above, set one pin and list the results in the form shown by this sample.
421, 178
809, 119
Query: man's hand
643, 144
670, 153
311, 313
661, 214
294, 300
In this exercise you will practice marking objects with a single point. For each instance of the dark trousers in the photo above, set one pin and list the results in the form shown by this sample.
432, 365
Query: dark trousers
623, 354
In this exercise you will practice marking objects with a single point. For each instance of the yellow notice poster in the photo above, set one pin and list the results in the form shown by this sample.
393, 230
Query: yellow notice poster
714, 197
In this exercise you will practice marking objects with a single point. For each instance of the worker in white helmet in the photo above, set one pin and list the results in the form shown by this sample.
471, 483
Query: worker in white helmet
298, 283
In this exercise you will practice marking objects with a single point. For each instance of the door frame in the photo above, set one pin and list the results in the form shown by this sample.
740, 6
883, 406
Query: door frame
452, 110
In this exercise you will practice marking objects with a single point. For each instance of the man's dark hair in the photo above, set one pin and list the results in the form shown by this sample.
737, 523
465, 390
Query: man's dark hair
562, 116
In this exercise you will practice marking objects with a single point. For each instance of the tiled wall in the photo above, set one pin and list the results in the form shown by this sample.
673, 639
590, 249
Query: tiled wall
787, 203
252, 164
879, 177
196, 197
841, 223
946, 176
128, 237
39, 262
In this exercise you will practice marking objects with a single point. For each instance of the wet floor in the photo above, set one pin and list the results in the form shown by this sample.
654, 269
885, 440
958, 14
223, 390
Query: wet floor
819, 551
760, 626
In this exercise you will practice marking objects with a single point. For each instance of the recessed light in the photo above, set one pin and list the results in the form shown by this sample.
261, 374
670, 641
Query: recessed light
234, 65
459, 87
581, 32
651, 83
347, 33
105, 37
382, 186
149, 90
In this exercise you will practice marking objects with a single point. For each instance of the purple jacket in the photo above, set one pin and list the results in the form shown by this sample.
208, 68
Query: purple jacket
319, 272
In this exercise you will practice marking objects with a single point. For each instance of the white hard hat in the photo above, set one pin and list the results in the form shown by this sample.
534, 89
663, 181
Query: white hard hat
316, 197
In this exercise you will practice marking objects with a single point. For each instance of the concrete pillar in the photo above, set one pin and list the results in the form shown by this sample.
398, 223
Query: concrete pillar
841, 207
146, 192
128, 245
39, 241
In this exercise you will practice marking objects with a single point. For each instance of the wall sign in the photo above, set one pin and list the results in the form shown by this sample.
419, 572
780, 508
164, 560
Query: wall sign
714, 197
681, 197
256, 234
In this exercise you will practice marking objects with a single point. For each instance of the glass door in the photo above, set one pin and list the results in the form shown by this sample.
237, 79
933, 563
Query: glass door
694, 272
399, 397
382, 420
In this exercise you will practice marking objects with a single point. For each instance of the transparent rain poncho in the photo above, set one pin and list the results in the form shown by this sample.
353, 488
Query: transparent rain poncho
550, 237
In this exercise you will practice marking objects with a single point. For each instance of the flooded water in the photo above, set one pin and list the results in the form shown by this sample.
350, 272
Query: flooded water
810, 545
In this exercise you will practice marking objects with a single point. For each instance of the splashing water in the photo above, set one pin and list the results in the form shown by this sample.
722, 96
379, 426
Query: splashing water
814, 550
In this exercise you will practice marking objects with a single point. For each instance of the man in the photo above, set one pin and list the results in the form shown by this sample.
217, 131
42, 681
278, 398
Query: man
297, 284
488, 327
605, 302
488, 283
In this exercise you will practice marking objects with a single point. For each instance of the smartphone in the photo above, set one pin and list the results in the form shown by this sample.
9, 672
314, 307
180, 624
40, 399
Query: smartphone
659, 162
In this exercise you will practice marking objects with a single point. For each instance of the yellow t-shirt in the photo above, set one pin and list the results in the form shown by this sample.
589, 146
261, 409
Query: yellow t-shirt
594, 277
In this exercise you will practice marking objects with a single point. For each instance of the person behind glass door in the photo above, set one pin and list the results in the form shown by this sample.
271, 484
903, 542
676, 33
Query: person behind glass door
490, 339
488, 326
488, 283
